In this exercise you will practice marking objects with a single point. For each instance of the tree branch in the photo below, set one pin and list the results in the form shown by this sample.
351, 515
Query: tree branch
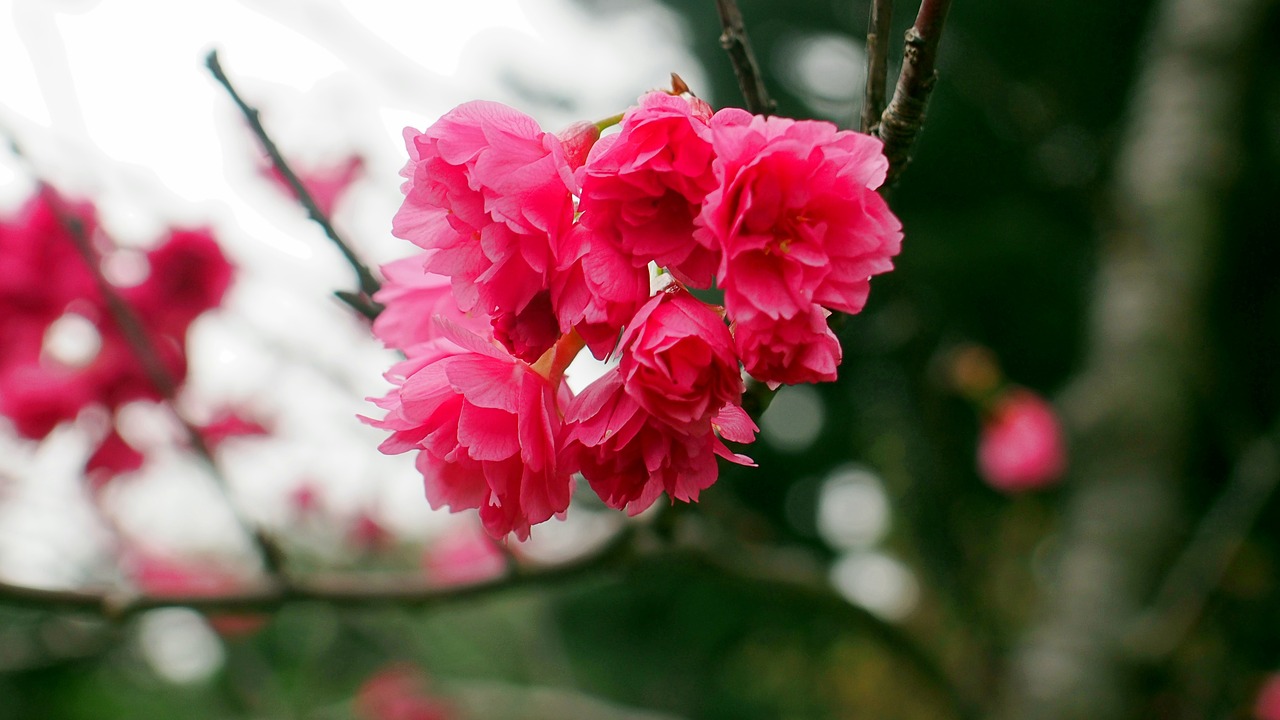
902, 121
878, 27
362, 301
1198, 570
736, 43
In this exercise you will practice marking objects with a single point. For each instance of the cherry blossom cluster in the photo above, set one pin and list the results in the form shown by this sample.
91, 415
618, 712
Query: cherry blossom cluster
44, 278
536, 245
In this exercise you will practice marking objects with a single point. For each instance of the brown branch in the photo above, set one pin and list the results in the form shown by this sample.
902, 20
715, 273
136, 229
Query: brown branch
902, 121
339, 591
738, 46
878, 27
362, 301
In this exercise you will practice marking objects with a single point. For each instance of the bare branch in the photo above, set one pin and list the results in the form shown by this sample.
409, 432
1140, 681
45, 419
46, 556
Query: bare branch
362, 301
736, 43
878, 27
903, 119
1221, 533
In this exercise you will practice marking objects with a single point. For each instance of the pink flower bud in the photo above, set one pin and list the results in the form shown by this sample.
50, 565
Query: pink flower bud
577, 140
1021, 446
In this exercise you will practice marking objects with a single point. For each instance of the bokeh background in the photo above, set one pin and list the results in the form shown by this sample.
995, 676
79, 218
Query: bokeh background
1092, 201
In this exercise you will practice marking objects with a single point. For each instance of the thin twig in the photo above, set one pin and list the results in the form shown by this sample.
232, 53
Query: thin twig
736, 43
1222, 531
362, 301
903, 119
878, 27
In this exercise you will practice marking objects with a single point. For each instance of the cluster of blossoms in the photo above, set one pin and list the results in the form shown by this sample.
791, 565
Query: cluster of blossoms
536, 245
44, 279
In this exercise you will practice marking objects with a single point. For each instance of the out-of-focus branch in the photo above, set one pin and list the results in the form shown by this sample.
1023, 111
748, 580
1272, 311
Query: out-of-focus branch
362, 301
878, 27
902, 121
1200, 567
1130, 412
736, 43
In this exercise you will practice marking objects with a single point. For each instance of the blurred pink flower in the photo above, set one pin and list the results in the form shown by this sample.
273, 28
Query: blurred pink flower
227, 423
398, 692
165, 577
188, 276
326, 184
798, 222
1267, 704
643, 187
114, 456
491, 193
1021, 446
463, 556
485, 427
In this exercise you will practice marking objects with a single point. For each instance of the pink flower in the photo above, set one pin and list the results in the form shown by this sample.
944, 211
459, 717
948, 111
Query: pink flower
463, 557
165, 577
41, 271
398, 692
630, 457
643, 187
485, 427
1021, 446
227, 424
787, 351
189, 276
798, 221
491, 193
412, 298
596, 291
114, 456
326, 184
678, 361
1267, 705
36, 397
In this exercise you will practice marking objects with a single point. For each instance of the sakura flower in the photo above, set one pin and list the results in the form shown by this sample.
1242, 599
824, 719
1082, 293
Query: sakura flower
189, 275
1266, 706
398, 692
167, 577
463, 556
597, 290
114, 456
787, 351
325, 184
798, 222
643, 187
491, 193
227, 423
1021, 446
485, 427
678, 360
631, 457
36, 397
412, 298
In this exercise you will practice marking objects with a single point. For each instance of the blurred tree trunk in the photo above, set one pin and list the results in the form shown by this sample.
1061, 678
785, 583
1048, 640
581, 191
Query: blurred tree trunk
1131, 410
